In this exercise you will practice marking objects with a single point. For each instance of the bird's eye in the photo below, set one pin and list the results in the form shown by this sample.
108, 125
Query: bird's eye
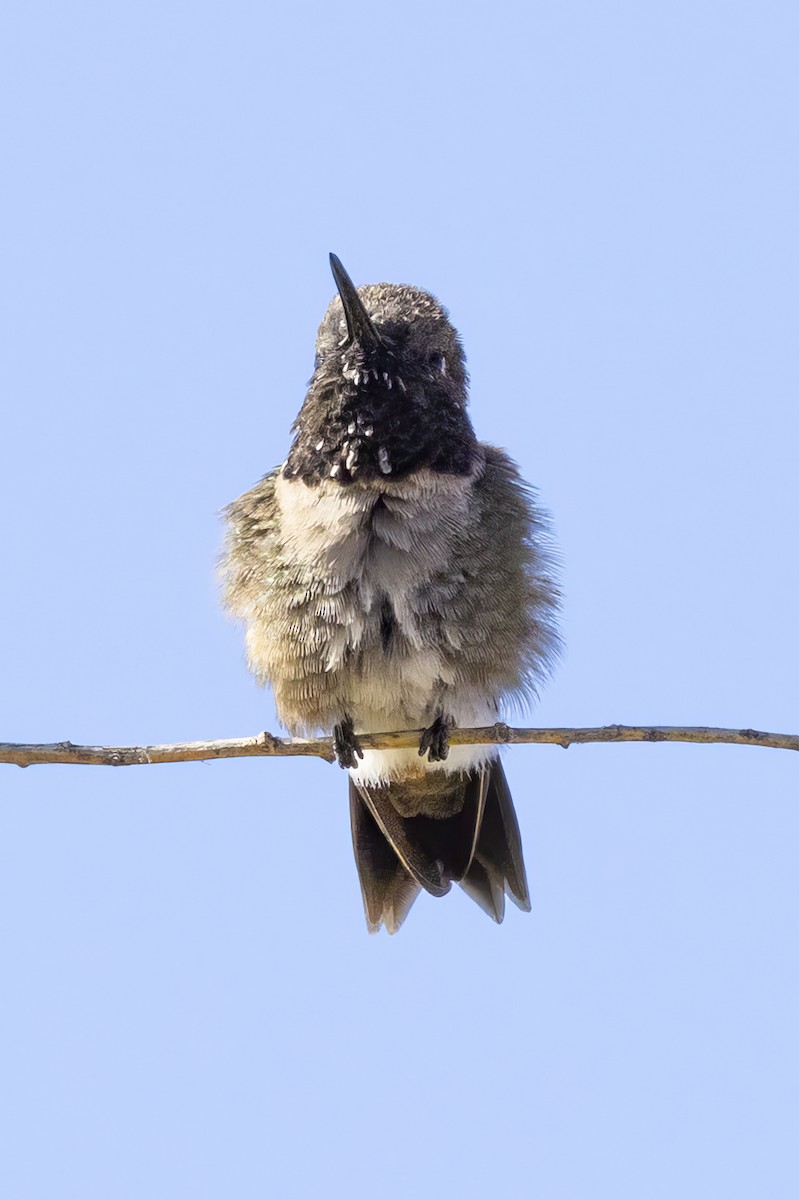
438, 362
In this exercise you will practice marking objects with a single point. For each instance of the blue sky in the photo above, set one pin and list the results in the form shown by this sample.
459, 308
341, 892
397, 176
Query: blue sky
605, 197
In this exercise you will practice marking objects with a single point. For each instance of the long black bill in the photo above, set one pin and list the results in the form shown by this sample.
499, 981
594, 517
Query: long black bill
359, 323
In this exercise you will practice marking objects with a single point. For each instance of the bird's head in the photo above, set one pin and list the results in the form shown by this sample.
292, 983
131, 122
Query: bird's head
389, 389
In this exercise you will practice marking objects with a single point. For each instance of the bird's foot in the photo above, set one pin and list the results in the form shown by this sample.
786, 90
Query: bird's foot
346, 746
435, 740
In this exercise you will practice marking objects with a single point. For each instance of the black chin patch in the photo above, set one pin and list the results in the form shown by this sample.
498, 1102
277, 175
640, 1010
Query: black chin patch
380, 421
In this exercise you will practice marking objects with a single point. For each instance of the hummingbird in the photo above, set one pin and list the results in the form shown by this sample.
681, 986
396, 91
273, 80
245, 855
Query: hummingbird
396, 573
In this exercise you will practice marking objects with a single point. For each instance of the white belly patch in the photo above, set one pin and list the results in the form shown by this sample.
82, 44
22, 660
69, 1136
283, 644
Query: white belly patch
373, 544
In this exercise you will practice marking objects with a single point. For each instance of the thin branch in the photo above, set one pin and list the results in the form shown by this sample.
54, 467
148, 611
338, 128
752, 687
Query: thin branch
267, 745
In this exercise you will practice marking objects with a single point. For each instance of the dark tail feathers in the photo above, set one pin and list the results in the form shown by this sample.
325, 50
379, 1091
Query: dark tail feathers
478, 847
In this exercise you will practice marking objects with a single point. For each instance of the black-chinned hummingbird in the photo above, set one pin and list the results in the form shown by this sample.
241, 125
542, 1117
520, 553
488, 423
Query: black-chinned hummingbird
395, 573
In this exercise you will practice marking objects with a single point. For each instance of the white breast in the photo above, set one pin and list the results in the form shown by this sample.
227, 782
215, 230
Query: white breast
367, 542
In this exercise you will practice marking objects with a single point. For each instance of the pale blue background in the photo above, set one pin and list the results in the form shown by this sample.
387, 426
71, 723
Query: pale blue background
605, 195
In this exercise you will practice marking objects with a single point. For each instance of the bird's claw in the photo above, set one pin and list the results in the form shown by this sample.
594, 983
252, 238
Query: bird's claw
435, 739
346, 746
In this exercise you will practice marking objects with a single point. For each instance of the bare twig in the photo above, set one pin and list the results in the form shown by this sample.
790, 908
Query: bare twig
266, 744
